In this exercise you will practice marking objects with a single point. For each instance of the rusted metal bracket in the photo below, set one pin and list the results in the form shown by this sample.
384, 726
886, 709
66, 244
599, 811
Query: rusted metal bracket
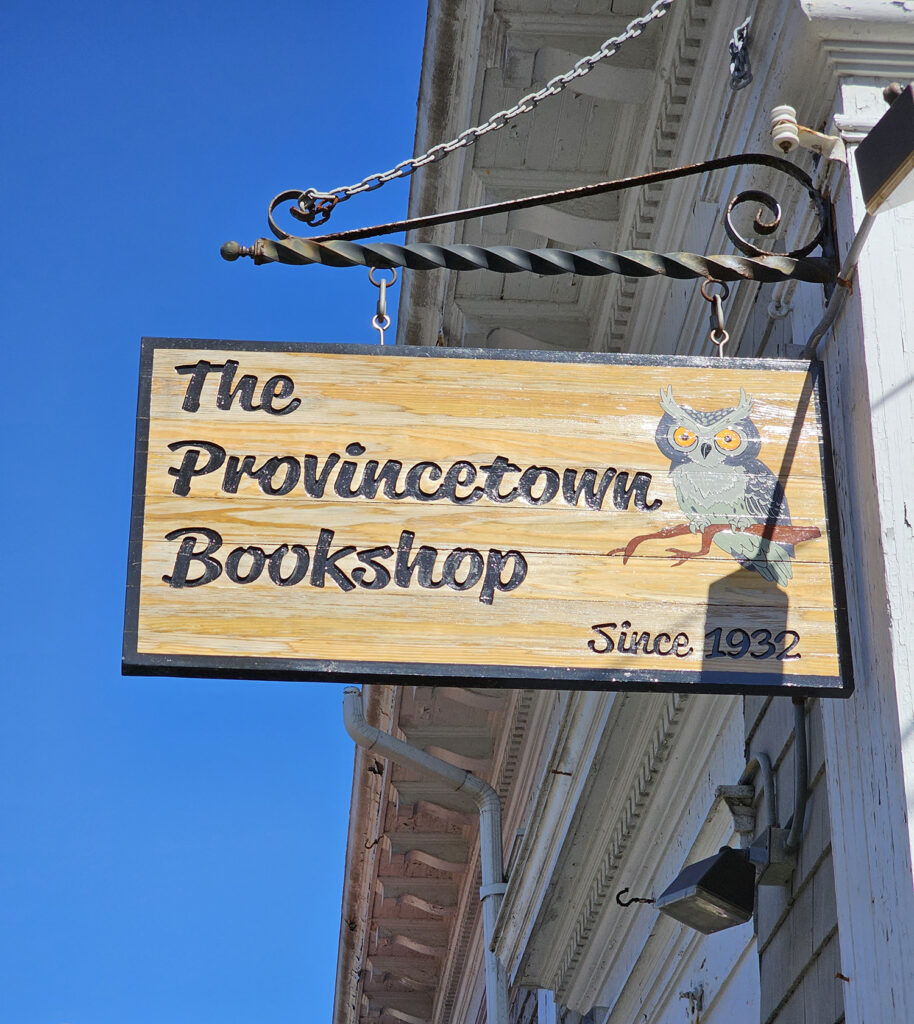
755, 264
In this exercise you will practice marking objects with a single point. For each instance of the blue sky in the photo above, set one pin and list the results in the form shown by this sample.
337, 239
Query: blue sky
170, 849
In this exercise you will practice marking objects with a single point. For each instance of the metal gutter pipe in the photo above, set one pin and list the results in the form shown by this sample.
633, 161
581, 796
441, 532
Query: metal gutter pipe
493, 885
762, 763
801, 776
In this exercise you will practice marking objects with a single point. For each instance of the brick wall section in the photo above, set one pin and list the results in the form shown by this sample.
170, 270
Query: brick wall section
797, 923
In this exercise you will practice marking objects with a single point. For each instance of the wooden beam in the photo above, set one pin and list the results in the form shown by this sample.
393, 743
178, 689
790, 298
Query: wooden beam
613, 81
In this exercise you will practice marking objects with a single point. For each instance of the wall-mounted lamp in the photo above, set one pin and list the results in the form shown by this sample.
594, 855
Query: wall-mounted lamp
885, 158
712, 894
719, 892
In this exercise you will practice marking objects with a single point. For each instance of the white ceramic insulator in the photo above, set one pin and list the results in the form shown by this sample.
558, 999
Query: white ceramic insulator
785, 133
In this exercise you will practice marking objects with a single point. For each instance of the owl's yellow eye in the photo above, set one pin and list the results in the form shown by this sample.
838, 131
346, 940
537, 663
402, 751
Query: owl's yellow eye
729, 440
684, 437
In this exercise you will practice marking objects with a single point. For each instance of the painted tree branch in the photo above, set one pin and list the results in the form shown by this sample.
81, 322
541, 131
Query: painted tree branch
779, 533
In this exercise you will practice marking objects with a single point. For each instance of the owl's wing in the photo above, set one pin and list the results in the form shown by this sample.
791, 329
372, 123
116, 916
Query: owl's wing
765, 500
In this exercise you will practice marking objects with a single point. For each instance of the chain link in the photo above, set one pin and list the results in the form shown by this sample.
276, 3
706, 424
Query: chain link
315, 207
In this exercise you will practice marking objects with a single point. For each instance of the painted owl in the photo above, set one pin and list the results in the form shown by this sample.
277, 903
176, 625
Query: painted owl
718, 478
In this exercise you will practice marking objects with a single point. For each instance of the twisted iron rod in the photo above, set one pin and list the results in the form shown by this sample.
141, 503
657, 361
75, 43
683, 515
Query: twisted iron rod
511, 260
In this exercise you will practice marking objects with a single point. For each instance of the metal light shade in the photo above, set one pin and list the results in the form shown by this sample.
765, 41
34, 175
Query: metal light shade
885, 158
712, 894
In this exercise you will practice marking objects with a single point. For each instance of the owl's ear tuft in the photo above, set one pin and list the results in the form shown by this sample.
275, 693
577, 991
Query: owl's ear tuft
745, 404
669, 404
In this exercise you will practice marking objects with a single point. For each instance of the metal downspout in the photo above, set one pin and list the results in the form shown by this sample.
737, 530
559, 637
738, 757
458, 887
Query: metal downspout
801, 776
490, 849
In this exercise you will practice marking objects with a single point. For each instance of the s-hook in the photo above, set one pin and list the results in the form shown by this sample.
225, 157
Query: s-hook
718, 334
381, 321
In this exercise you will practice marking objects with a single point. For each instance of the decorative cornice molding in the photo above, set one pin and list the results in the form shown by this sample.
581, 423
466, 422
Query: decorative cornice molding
868, 39
624, 962
864, 38
468, 909
456, 39
568, 736
676, 90
620, 837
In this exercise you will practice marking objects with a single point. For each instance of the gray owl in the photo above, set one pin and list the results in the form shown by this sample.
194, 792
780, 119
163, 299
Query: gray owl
719, 479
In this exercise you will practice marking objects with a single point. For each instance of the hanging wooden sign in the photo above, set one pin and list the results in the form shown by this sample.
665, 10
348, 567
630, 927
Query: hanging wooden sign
494, 518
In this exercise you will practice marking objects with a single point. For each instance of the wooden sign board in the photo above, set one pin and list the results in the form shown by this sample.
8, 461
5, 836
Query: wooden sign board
485, 518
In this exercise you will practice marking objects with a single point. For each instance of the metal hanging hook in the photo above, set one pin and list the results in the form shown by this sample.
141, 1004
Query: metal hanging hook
718, 333
633, 899
381, 321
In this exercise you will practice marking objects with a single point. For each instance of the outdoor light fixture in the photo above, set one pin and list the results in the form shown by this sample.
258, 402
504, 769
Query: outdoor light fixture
712, 894
719, 892
885, 158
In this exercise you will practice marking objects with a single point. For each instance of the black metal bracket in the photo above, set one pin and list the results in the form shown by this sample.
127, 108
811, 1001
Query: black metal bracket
340, 250
548, 262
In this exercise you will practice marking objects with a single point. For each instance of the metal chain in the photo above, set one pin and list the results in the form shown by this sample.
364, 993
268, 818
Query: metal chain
740, 64
315, 207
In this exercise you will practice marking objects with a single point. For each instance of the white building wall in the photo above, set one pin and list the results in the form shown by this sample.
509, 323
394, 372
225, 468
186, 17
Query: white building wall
797, 924
869, 740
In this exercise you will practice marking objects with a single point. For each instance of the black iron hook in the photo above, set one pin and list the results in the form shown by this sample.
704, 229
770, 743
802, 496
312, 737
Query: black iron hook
629, 902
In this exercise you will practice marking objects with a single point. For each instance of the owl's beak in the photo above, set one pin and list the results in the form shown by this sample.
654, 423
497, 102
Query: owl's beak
705, 450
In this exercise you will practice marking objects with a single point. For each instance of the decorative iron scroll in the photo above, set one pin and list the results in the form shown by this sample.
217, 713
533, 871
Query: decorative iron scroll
338, 249
763, 227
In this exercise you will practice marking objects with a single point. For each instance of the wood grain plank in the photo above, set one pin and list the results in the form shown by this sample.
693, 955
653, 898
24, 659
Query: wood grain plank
542, 575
